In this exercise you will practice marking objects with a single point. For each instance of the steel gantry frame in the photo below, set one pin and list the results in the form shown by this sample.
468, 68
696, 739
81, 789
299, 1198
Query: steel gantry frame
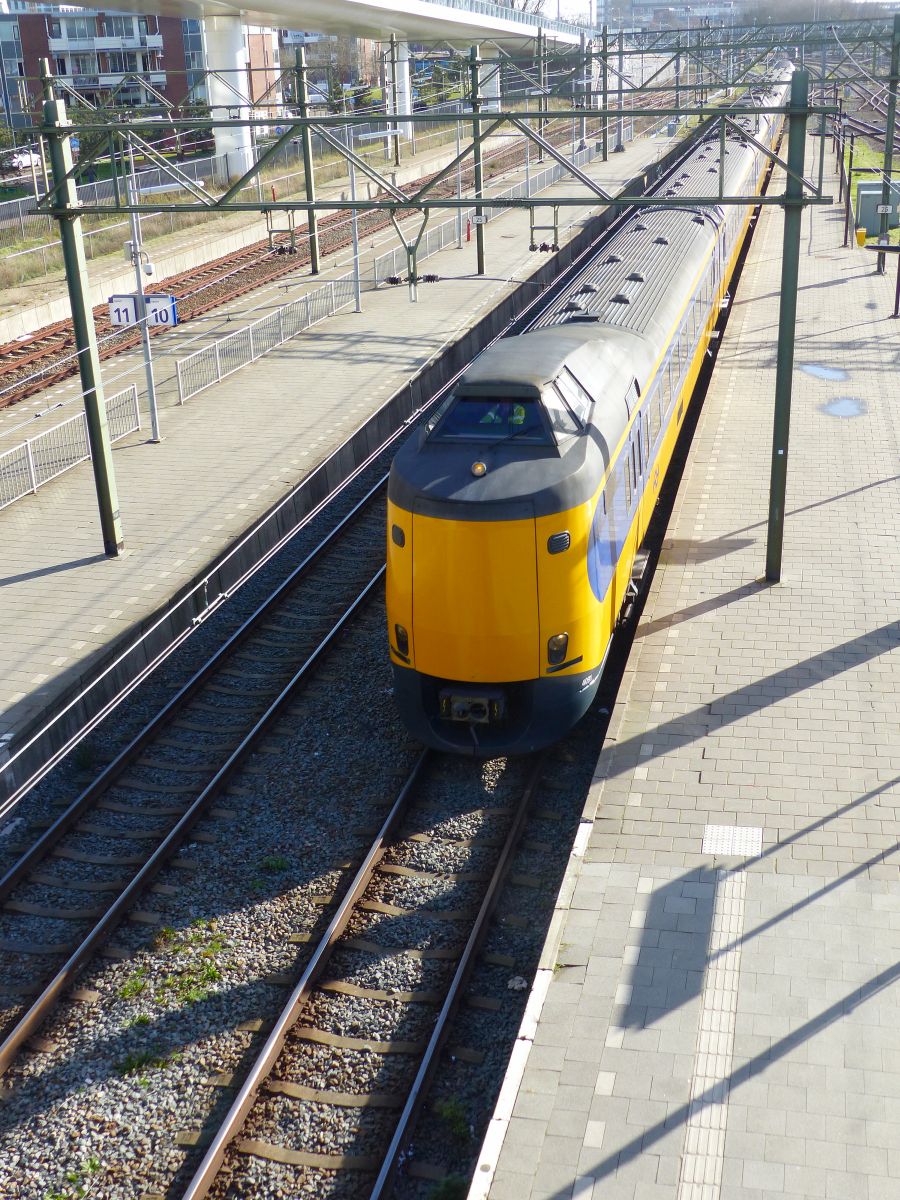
742, 71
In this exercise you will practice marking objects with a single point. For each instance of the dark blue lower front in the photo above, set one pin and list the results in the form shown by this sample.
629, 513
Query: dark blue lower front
538, 713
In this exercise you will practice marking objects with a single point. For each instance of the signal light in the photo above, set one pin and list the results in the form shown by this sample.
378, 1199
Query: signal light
557, 647
402, 640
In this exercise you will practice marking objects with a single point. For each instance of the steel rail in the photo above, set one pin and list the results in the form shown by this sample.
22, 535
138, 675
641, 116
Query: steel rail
441, 1030
205, 1174
41, 1007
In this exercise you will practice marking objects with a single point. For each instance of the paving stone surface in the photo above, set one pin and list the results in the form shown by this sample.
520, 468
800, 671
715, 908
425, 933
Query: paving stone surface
739, 988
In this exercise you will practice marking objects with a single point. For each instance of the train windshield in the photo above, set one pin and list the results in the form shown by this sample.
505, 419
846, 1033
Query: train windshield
492, 419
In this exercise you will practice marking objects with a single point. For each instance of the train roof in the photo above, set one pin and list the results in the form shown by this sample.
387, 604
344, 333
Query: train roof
534, 360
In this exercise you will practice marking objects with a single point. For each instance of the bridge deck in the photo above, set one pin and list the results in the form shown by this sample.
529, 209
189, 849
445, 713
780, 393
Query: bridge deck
718, 1019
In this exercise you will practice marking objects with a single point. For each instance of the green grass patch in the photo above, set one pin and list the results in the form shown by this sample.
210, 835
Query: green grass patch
452, 1112
139, 1060
134, 985
78, 1182
274, 864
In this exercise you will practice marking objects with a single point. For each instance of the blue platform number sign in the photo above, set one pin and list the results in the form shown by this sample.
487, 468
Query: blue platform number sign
161, 309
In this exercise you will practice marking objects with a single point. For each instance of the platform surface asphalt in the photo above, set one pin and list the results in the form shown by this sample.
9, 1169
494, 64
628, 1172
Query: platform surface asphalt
721, 1017
228, 455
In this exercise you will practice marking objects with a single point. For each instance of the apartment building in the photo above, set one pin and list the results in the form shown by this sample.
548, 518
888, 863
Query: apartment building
143, 60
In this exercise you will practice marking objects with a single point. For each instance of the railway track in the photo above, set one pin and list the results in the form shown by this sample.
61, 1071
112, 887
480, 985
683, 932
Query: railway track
30, 365
373, 1006
70, 888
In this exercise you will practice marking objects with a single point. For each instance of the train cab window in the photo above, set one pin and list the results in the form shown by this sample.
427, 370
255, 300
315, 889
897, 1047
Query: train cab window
575, 395
491, 419
563, 421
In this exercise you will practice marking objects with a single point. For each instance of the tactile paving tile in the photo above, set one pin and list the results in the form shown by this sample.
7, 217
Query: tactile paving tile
745, 840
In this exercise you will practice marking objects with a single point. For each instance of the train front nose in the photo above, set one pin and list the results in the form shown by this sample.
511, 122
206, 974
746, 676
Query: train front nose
475, 602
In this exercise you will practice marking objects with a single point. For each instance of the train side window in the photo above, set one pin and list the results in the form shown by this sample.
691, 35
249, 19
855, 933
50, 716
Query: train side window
637, 465
627, 473
645, 428
575, 395
655, 418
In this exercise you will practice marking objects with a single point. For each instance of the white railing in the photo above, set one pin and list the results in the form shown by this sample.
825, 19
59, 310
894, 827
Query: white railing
213, 363
37, 460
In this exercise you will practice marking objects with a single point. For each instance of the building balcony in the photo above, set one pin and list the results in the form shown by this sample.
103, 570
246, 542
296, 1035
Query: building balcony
111, 79
61, 44
117, 43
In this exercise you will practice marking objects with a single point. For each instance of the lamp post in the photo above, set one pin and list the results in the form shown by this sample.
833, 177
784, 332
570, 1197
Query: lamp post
354, 220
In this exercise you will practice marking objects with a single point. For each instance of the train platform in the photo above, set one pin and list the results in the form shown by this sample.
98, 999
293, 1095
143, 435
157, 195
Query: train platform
227, 456
717, 1015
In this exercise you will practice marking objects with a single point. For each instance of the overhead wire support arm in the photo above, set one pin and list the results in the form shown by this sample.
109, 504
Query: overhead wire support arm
465, 153
351, 156
556, 154
167, 168
253, 171
775, 158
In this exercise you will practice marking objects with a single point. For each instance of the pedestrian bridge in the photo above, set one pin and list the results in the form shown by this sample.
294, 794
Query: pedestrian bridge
459, 22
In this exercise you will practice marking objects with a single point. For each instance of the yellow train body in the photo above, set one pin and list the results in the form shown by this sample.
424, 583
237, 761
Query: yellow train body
479, 593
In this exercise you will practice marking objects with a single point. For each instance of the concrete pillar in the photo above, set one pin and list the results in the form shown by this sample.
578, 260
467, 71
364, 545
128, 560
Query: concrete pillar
225, 53
403, 89
489, 79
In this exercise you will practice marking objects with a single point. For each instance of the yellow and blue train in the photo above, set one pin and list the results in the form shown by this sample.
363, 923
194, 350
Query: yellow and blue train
515, 513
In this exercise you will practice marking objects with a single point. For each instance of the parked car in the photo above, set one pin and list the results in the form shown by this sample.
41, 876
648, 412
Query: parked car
23, 160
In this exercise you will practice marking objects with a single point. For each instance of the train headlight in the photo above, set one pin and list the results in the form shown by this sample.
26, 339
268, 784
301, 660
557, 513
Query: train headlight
479, 469
402, 639
557, 647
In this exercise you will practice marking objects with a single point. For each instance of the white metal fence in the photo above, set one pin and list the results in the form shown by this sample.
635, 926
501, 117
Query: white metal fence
37, 460
210, 365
